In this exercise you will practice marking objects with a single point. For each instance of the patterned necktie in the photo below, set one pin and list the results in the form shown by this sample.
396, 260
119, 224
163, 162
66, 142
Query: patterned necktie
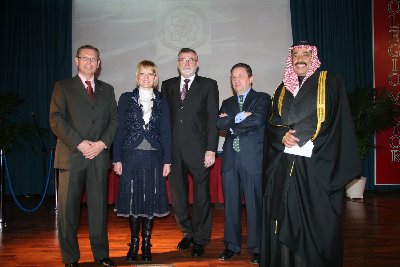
236, 140
185, 88
89, 89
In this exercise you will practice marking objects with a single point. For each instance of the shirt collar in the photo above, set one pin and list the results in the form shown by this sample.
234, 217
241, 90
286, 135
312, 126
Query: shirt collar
191, 78
83, 79
244, 94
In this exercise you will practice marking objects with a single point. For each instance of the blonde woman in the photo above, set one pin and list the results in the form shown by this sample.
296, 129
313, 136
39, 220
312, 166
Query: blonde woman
142, 156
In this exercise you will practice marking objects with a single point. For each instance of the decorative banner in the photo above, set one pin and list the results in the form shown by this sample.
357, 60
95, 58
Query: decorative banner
387, 75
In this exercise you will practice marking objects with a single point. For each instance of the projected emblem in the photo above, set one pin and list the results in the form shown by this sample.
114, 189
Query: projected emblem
183, 26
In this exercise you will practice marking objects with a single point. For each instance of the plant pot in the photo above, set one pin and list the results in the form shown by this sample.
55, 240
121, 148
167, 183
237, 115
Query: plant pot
355, 189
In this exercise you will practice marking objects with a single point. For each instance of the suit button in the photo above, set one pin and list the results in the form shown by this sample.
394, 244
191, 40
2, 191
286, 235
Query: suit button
181, 121
93, 122
93, 108
181, 107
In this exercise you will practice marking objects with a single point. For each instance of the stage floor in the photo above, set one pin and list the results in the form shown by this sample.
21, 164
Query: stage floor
371, 236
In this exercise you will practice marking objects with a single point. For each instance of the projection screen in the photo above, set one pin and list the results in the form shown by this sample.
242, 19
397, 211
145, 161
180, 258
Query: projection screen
223, 32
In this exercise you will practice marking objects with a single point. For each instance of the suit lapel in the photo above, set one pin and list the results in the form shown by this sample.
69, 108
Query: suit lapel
80, 88
234, 104
192, 89
98, 91
248, 100
176, 90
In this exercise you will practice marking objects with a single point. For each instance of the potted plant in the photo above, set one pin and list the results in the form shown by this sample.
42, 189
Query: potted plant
372, 111
11, 133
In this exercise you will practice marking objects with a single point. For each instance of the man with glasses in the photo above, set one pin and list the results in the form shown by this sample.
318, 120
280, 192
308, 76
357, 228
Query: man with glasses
193, 103
83, 116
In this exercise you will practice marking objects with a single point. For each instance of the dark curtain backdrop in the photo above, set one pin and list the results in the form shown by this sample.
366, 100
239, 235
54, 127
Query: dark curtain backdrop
342, 31
36, 51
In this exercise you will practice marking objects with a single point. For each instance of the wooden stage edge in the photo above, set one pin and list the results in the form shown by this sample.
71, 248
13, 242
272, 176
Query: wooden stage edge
371, 236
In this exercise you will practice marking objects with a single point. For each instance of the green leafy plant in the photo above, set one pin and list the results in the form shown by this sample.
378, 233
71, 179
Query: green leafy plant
13, 134
372, 111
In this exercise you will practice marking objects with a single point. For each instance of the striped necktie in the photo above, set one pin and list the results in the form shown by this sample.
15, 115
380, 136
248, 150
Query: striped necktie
185, 89
236, 146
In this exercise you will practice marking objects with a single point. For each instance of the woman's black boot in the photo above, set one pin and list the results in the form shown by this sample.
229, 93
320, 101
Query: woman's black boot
147, 226
134, 223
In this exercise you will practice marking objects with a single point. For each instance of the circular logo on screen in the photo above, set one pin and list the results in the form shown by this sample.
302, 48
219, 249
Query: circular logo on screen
183, 26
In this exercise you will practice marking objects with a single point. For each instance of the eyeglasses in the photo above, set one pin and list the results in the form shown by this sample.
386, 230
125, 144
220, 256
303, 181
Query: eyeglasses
186, 60
88, 59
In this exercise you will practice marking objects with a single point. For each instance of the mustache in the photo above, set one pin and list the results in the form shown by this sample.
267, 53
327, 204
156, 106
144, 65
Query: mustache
301, 62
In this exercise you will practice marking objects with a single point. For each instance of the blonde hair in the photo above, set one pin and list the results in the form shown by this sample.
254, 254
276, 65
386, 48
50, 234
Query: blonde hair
147, 64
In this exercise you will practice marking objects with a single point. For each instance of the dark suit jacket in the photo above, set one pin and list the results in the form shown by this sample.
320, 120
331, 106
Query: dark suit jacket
250, 130
193, 123
75, 117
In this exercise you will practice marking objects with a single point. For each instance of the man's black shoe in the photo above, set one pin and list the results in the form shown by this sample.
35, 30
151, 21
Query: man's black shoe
228, 254
73, 264
184, 243
106, 262
255, 258
197, 250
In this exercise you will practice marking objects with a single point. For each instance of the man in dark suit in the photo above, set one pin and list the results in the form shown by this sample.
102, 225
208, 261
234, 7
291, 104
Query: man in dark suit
193, 103
83, 116
243, 116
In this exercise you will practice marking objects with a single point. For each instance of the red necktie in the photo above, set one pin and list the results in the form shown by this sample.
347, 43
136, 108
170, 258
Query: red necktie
89, 89
185, 88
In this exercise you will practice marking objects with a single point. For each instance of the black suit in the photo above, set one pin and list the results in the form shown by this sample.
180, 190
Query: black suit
193, 133
241, 171
75, 117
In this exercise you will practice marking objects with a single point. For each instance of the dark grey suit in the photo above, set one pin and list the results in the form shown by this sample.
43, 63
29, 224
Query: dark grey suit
75, 117
193, 133
241, 171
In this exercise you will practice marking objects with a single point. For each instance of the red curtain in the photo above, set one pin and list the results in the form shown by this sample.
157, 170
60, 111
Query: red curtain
215, 185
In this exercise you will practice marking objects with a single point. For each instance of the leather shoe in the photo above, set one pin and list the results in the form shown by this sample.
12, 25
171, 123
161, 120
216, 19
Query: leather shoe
184, 243
227, 254
255, 258
197, 250
73, 264
107, 262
